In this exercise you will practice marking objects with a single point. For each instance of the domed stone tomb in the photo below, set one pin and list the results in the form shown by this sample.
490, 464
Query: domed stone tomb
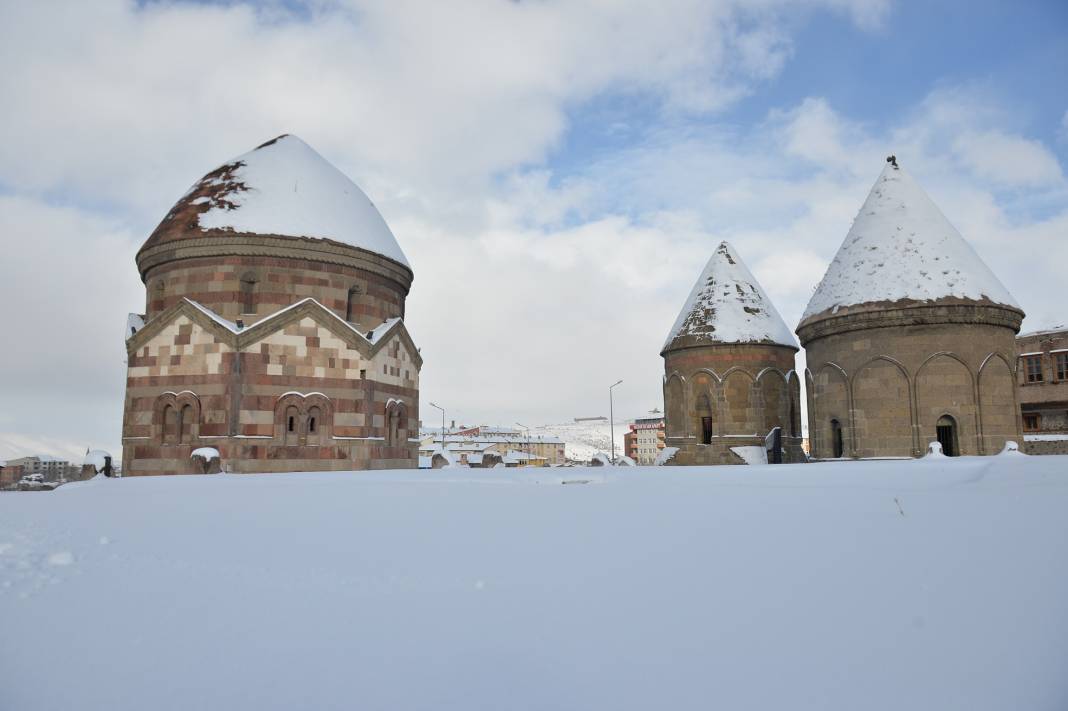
274, 325
729, 377
909, 337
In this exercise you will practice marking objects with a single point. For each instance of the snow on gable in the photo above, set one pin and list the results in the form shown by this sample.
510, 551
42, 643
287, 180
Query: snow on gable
728, 305
901, 247
285, 188
134, 323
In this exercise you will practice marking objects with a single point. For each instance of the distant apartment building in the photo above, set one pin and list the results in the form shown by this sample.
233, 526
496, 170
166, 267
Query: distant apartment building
644, 440
1042, 380
9, 475
51, 469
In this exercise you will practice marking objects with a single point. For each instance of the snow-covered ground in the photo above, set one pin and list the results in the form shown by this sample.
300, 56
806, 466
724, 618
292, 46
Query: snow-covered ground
937, 584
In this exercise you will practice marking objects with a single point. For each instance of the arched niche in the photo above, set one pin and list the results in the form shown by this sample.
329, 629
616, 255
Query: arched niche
675, 406
776, 400
997, 403
739, 414
830, 400
702, 399
882, 410
944, 386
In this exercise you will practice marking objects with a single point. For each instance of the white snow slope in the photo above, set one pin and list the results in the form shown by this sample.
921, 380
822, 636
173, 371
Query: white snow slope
728, 305
937, 584
582, 440
292, 190
901, 246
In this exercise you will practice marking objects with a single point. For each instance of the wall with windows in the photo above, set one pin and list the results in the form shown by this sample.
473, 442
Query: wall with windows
888, 392
299, 392
1042, 386
249, 288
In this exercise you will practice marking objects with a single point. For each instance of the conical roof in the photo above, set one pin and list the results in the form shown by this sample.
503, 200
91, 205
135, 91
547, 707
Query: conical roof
727, 305
901, 249
285, 188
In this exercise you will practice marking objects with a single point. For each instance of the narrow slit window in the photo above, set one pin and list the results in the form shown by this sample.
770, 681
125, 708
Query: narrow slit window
248, 294
837, 441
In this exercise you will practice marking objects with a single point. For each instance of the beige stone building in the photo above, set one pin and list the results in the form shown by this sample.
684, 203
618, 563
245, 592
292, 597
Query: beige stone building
729, 376
1042, 379
273, 330
909, 337
468, 444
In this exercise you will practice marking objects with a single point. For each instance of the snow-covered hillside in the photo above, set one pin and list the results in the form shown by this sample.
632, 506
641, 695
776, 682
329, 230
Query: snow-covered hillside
582, 440
937, 584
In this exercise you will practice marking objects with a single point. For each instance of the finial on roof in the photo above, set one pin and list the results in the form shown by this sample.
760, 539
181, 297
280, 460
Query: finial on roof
892, 160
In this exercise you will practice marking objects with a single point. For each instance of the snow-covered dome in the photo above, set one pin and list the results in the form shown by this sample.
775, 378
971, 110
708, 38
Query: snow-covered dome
901, 248
727, 305
282, 187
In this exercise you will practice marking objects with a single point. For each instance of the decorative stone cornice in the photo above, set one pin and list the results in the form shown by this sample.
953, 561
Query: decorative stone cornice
899, 314
243, 339
690, 343
218, 243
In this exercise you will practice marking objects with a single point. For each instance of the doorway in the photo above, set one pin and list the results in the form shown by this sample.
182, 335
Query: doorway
946, 432
706, 430
837, 443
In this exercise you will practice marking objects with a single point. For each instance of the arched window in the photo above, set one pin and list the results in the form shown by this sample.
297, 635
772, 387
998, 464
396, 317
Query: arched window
292, 425
350, 304
315, 420
185, 424
396, 424
248, 293
837, 442
946, 432
170, 425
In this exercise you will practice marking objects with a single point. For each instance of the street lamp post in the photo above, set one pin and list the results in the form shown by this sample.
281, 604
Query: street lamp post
612, 420
528, 440
442, 427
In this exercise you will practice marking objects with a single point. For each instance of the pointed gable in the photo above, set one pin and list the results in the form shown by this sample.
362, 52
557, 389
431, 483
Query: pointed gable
901, 248
727, 305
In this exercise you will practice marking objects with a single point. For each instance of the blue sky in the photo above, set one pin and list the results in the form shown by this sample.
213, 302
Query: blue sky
557, 169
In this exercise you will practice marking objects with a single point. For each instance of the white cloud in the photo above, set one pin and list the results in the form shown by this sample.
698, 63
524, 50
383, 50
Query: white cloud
68, 282
534, 290
1008, 160
124, 104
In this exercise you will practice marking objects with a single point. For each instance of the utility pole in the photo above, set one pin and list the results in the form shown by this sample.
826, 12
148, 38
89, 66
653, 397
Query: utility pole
528, 440
442, 428
612, 420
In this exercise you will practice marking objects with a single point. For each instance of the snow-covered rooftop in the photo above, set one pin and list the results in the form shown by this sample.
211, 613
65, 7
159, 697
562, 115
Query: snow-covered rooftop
1050, 331
728, 305
284, 187
901, 247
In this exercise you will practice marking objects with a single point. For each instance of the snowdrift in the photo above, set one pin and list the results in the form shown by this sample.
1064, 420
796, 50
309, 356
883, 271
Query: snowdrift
931, 584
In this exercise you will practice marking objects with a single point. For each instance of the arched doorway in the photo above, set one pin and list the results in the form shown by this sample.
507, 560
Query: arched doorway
704, 415
837, 443
946, 432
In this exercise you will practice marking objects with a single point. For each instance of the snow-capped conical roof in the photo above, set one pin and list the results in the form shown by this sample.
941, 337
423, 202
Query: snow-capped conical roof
282, 187
728, 305
901, 248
